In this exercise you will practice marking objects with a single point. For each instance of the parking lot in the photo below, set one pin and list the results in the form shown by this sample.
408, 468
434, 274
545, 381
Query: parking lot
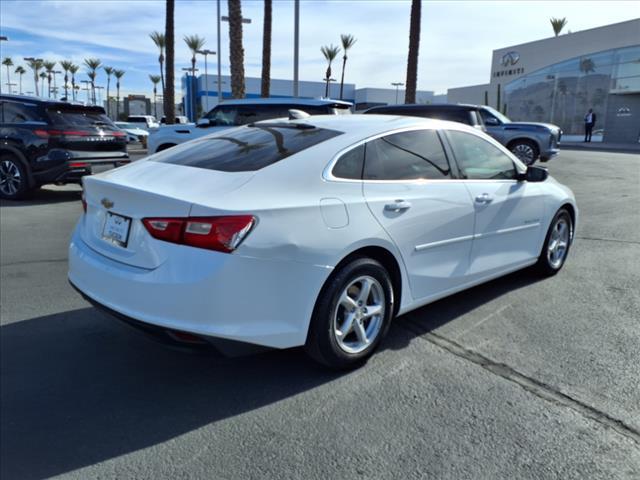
517, 378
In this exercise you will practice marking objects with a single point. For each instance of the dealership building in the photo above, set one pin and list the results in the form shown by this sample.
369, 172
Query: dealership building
205, 90
557, 80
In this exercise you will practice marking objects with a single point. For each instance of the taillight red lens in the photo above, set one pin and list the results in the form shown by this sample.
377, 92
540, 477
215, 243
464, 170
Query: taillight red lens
222, 234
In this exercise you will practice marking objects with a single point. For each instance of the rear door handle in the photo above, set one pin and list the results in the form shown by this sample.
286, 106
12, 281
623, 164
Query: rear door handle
484, 198
397, 206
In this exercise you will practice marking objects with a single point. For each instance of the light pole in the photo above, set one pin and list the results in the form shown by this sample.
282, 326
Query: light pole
98, 88
397, 85
206, 77
224, 19
86, 87
296, 45
55, 73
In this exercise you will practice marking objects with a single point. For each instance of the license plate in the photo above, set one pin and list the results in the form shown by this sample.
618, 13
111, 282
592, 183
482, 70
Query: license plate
116, 229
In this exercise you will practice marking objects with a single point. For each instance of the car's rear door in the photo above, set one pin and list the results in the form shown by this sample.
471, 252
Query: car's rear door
508, 213
409, 187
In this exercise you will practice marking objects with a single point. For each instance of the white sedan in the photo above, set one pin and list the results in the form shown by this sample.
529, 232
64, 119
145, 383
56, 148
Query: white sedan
313, 232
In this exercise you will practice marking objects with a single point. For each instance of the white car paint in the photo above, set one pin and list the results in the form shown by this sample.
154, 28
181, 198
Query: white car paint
307, 222
133, 132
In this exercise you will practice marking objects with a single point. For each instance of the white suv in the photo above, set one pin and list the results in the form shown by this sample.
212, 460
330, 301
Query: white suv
233, 113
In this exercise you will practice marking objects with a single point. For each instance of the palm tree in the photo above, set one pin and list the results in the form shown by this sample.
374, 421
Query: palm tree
35, 65
43, 77
169, 94
93, 64
159, 39
66, 66
118, 74
347, 42
330, 53
109, 71
155, 79
20, 71
236, 50
49, 66
558, 24
7, 62
194, 43
266, 50
74, 69
412, 60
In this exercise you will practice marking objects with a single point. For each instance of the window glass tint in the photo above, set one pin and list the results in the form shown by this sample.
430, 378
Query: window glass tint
245, 149
18, 113
350, 164
406, 156
78, 118
479, 159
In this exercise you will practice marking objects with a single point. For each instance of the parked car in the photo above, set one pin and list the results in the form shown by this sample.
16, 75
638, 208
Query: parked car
44, 141
134, 134
528, 140
145, 122
233, 113
312, 232
180, 119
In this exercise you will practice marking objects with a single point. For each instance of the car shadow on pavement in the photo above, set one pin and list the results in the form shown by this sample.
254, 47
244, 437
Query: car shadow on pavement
46, 196
77, 388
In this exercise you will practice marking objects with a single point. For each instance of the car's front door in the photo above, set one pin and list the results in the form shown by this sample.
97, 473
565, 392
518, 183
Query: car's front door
508, 213
408, 186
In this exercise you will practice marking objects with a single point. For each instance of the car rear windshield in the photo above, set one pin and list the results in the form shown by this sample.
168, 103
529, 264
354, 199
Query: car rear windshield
246, 149
79, 117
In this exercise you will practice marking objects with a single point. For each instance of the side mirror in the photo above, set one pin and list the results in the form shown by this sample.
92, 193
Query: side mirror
534, 174
492, 122
204, 122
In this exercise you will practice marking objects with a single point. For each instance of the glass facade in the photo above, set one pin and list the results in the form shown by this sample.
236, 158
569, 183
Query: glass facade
563, 93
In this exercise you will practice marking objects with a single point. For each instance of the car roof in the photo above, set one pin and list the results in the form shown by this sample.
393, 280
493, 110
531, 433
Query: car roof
43, 101
430, 106
287, 101
369, 125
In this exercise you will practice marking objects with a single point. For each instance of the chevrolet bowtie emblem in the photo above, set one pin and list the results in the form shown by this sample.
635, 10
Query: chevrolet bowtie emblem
106, 203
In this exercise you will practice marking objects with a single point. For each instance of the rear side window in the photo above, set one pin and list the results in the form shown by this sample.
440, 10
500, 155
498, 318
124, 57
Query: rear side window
350, 164
245, 149
12, 112
78, 118
410, 155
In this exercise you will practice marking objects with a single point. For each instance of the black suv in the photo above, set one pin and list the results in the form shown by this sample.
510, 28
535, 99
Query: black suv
44, 141
527, 140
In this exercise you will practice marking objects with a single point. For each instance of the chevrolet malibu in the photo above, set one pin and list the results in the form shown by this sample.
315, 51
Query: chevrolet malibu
314, 232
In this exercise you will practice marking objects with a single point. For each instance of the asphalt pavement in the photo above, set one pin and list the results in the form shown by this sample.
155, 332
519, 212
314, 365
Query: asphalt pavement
517, 378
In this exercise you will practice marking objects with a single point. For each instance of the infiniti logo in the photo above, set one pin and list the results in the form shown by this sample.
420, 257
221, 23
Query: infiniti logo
510, 58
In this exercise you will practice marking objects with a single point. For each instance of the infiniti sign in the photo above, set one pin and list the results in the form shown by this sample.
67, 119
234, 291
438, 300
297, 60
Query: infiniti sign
510, 58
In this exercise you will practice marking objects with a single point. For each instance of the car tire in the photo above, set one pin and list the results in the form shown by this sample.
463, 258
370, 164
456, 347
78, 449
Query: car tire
556, 244
347, 304
526, 150
14, 181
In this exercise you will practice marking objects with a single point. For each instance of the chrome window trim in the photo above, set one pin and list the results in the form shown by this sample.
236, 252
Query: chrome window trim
327, 173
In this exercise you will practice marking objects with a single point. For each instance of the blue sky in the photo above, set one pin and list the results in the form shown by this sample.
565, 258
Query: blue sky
456, 43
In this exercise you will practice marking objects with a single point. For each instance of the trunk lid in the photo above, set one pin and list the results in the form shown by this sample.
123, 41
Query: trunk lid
147, 189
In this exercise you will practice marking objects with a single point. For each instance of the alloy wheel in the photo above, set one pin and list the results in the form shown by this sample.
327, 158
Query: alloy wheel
10, 178
558, 242
524, 152
360, 314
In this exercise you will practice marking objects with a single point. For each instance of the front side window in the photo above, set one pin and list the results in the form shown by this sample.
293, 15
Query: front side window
410, 155
223, 116
245, 149
478, 159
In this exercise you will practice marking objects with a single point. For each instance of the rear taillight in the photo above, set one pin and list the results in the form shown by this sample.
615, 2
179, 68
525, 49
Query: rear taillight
223, 234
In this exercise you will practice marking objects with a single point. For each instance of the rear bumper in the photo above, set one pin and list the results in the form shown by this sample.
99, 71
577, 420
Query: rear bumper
209, 294
73, 171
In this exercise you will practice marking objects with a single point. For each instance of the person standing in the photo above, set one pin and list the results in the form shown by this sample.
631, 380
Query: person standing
589, 122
